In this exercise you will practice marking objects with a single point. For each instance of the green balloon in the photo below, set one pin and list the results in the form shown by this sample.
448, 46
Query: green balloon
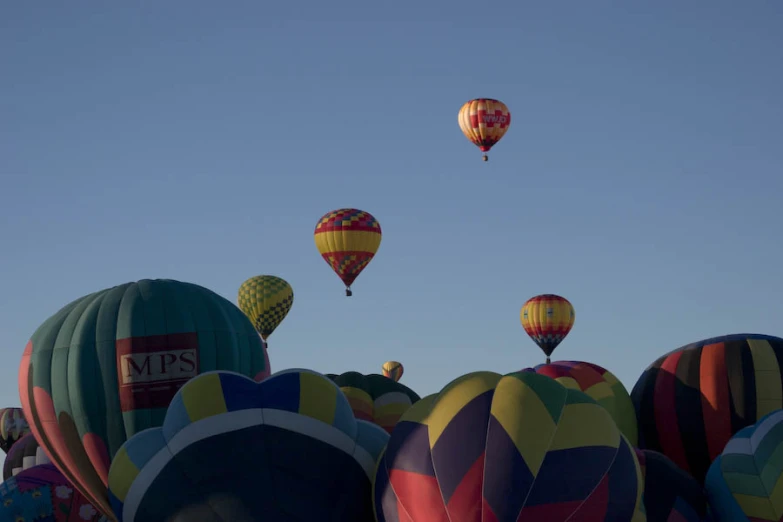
106, 366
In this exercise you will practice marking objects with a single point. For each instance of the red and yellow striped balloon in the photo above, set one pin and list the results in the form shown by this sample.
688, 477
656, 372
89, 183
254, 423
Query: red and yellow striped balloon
348, 239
547, 319
484, 122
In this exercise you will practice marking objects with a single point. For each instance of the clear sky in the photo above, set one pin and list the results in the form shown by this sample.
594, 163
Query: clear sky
641, 178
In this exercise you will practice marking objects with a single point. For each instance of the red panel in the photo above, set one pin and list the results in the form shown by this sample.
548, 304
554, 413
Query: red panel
714, 387
666, 412
419, 496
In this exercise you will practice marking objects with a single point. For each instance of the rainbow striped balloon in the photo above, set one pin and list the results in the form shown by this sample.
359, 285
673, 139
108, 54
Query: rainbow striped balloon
375, 398
260, 447
692, 400
745, 483
494, 448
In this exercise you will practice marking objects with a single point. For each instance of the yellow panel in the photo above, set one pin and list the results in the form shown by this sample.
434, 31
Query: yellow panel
776, 499
528, 423
569, 382
317, 397
758, 507
203, 397
584, 424
455, 396
600, 390
346, 240
122, 474
769, 392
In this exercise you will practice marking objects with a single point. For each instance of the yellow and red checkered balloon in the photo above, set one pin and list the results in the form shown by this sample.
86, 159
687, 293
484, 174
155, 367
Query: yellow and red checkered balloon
348, 240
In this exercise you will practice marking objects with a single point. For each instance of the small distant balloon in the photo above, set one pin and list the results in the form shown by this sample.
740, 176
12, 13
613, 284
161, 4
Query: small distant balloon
547, 319
484, 122
393, 370
13, 426
348, 240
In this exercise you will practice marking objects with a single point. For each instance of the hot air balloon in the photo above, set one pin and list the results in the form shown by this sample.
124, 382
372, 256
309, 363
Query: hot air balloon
601, 385
744, 483
265, 300
107, 365
348, 239
43, 493
484, 122
375, 398
507, 448
547, 319
13, 426
287, 448
25, 454
393, 370
669, 493
692, 400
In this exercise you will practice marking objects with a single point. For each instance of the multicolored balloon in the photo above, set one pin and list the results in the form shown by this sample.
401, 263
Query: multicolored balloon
601, 385
107, 365
25, 454
393, 370
745, 482
42, 493
13, 426
670, 494
506, 448
348, 240
484, 122
375, 398
691, 401
287, 448
266, 301
547, 319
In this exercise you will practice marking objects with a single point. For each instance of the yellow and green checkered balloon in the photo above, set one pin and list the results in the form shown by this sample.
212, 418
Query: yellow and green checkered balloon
265, 300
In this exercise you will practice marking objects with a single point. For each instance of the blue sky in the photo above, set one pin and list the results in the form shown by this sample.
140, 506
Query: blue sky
641, 177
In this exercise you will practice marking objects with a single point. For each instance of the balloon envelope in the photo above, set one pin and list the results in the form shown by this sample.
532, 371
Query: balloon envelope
348, 240
484, 121
375, 398
107, 365
547, 319
230, 449
25, 454
601, 385
691, 401
393, 370
745, 482
507, 448
42, 493
266, 301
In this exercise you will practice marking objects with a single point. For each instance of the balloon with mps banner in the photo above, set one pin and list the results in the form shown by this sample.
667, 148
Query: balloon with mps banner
107, 365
